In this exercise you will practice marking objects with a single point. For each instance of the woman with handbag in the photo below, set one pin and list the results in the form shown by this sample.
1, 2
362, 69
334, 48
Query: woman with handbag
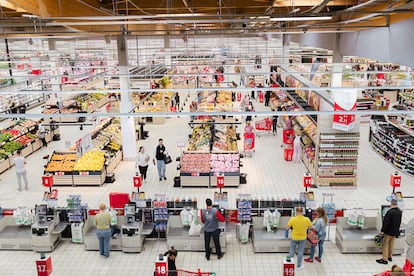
142, 162
319, 225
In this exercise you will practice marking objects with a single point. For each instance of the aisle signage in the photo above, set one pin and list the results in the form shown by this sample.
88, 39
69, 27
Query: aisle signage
44, 266
137, 181
345, 100
395, 180
288, 268
161, 266
307, 180
220, 181
47, 181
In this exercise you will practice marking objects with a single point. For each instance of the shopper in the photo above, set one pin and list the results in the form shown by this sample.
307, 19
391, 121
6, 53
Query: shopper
297, 148
248, 128
299, 225
160, 156
41, 134
267, 97
142, 163
274, 122
20, 163
390, 229
319, 224
211, 217
102, 222
177, 101
171, 255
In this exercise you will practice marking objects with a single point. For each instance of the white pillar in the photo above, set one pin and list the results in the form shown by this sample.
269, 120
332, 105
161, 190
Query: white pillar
129, 148
336, 76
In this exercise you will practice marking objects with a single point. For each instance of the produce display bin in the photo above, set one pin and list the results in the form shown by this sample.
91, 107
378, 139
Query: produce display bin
90, 178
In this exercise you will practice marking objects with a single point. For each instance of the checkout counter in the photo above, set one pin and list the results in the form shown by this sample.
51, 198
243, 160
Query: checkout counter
132, 237
353, 239
274, 241
14, 236
46, 229
178, 236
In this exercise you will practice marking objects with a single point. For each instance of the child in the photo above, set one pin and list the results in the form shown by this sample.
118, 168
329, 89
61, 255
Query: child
172, 254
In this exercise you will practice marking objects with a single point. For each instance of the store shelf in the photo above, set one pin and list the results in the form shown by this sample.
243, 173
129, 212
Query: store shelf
337, 159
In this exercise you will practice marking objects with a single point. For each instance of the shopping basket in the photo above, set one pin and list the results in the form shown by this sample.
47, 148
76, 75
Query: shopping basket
264, 125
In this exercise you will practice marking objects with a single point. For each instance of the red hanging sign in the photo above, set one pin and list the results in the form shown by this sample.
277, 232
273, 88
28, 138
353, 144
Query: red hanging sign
220, 181
307, 180
137, 181
47, 181
395, 180
344, 101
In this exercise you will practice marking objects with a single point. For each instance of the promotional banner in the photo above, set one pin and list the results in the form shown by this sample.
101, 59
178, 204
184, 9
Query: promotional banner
344, 100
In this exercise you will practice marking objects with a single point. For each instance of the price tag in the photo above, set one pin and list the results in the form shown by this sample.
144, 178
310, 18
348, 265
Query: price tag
60, 173
195, 174
220, 181
307, 180
83, 173
395, 180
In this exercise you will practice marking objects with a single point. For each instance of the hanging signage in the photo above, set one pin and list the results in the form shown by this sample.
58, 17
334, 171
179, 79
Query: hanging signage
137, 181
345, 100
395, 180
307, 180
220, 181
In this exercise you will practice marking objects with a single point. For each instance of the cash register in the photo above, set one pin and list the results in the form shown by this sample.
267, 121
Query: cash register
43, 238
132, 237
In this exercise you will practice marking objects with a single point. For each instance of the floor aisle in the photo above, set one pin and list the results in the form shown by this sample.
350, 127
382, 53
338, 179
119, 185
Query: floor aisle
268, 175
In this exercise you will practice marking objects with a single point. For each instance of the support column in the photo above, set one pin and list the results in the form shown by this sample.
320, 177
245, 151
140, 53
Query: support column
337, 60
285, 53
129, 148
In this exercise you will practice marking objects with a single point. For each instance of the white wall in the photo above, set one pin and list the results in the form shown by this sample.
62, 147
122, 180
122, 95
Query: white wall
389, 44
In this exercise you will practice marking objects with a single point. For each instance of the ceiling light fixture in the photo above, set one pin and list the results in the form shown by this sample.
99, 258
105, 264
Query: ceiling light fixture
301, 18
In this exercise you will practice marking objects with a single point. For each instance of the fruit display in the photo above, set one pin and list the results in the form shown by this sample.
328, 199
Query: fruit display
61, 162
195, 163
5, 136
225, 162
92, 160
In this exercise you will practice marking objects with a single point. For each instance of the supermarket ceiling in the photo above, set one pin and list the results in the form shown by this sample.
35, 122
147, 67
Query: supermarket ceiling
196, 17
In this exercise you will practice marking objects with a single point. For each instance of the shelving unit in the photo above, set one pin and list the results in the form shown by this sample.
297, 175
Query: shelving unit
394, 143
337, 159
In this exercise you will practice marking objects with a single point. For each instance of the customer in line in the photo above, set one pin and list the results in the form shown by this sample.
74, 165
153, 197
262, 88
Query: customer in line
319, 224
142, 163
20, 163
390, 229
160, 152
211, 217
299, 225
102, 222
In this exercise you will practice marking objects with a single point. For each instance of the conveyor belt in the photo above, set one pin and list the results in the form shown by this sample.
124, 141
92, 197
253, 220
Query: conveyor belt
16, 231
262, 234
359, 234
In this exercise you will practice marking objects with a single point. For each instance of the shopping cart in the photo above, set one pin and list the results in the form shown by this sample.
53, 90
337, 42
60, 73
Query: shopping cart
263, 126
248, 144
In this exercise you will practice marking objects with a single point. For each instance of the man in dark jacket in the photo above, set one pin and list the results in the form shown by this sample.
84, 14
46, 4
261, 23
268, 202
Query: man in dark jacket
211, 217
390, 229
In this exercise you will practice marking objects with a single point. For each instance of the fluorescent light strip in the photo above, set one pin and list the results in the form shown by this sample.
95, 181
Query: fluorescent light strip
300, 18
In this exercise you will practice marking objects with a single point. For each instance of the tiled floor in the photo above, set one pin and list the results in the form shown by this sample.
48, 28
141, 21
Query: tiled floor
268, 175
